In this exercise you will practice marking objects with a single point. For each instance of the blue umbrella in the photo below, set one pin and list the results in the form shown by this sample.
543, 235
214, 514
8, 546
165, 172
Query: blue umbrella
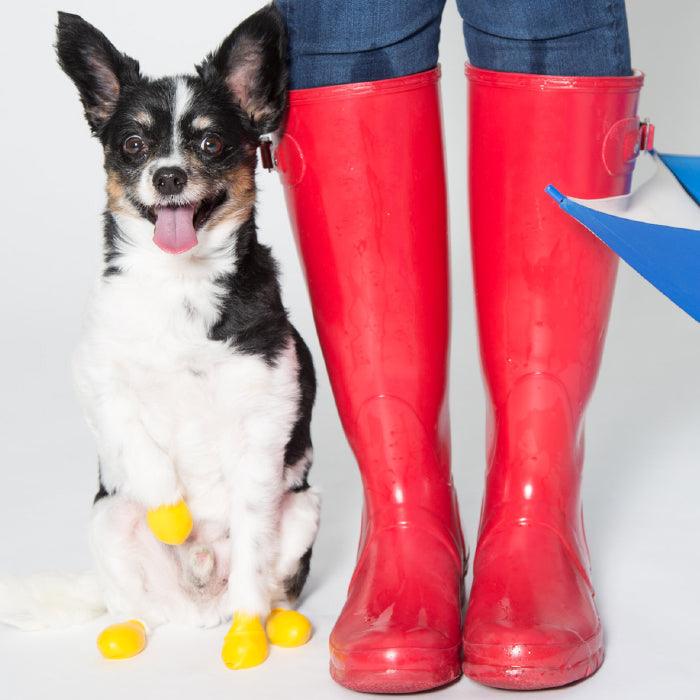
655, 228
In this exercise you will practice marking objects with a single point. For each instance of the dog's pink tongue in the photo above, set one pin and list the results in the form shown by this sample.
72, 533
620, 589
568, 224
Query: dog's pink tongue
174, 229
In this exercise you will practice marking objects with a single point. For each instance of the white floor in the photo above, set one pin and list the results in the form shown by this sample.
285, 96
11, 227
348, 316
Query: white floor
643, 464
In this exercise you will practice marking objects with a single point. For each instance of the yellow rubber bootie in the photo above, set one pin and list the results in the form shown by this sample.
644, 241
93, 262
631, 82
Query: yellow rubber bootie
288, 628
245, 644
123, 640
170, 524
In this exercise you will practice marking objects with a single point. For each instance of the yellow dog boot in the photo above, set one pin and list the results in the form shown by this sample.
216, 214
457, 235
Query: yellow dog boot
123, 640
245, 644
171, 524
288, 628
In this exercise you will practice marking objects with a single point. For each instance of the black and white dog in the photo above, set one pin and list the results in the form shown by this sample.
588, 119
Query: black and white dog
197, 387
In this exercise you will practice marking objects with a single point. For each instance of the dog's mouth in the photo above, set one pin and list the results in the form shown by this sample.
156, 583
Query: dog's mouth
176, 227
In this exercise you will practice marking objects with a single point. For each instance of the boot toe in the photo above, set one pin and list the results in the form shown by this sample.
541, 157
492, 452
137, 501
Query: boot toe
395, 661
530, 658
531, 621
399, 631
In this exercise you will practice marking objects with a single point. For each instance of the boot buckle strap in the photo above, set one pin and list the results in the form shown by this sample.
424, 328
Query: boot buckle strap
646, 135
624, 141
265, 145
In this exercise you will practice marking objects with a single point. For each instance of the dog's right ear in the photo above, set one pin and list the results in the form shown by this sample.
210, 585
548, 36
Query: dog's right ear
99, 71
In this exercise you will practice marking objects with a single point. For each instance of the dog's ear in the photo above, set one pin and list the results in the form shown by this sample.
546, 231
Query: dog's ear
252, 61
99, 71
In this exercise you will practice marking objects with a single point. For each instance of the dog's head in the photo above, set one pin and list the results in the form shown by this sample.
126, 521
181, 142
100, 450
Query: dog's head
180, 152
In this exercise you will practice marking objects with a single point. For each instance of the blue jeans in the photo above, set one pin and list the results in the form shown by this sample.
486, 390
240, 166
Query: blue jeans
349, 41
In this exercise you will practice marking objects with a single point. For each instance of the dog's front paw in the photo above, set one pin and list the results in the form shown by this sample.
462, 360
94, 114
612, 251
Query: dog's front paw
171, 524
288, 628
245, 645
123, 640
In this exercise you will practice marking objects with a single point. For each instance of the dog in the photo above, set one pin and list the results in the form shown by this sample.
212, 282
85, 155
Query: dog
198, 389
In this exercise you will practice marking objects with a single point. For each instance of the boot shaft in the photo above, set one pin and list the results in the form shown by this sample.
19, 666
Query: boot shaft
543, 283
363, 169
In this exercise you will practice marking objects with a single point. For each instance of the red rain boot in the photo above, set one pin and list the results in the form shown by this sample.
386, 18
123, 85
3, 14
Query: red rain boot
364, 176
543, 291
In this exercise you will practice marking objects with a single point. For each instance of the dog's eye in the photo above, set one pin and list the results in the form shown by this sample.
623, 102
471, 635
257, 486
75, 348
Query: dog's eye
134, 145
212, 145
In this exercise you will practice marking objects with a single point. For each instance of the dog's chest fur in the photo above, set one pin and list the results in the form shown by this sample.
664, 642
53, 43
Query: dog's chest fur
202, 400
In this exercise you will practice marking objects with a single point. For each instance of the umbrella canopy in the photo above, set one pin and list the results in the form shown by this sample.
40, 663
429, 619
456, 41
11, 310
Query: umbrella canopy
655, 228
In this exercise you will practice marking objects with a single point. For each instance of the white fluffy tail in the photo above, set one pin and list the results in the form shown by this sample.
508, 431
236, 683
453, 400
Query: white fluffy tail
43, 601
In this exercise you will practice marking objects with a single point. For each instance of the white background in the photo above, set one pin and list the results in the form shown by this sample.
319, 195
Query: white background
643, 462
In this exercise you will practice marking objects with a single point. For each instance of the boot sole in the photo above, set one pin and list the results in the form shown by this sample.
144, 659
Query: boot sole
547, 675
413, 670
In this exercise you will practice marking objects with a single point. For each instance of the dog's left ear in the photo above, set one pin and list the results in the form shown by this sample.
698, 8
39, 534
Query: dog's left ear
252, 61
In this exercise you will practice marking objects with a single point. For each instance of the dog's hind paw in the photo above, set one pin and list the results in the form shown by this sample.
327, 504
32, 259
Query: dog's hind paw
171, 524
288, 628
123, 640
245, 644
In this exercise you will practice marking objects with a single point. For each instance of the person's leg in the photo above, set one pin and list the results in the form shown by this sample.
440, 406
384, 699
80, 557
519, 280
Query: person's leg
547, 37
336, 43
362, 164
543, 288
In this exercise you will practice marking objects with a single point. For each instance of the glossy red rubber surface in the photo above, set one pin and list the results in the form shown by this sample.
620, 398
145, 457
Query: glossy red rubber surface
543, 292
364, 177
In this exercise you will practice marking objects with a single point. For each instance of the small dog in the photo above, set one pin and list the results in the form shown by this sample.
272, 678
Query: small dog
197, 387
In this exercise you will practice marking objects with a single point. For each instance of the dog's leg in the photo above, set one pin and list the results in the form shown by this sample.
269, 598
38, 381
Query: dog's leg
121, 548
140, 577
300, 512
130, 456
300, 515
256, 492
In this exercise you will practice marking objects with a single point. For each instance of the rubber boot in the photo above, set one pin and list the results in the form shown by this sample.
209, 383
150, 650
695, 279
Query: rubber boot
544, 286
364, 177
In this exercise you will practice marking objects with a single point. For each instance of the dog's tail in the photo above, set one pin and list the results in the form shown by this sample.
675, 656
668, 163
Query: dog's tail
44, 601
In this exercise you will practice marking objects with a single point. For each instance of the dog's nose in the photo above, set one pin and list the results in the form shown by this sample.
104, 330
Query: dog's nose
170, 180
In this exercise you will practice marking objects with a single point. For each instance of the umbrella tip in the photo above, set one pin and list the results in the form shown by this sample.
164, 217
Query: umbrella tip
555, 194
